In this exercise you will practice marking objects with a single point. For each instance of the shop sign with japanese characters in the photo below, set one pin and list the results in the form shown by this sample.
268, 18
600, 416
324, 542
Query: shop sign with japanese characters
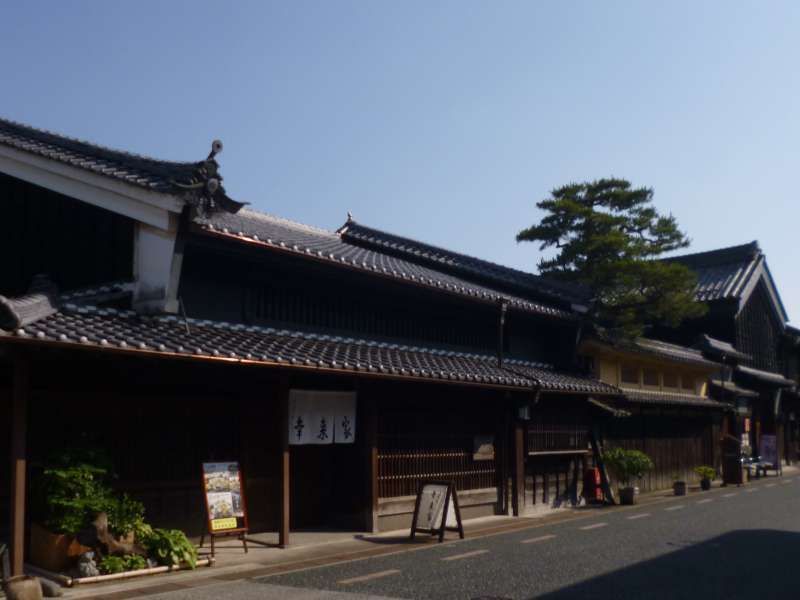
321, 417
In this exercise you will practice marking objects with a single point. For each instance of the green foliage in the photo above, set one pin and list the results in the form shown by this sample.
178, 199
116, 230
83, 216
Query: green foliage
627, 464
607, 235
125, 515
170, 547
120, 564
706, 472
69, 496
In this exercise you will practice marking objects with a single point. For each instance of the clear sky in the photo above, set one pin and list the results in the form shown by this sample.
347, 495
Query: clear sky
443, 121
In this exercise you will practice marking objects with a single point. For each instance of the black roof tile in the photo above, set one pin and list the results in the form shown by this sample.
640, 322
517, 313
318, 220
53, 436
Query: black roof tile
722, 273
126, 331
251, 226
668, 398
185, 179
461, 264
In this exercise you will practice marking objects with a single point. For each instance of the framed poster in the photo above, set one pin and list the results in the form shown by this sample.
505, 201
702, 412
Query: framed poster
224, 494
436, 510
769, 449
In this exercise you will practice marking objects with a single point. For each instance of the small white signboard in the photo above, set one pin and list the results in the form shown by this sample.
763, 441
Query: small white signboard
321, 417
436, 510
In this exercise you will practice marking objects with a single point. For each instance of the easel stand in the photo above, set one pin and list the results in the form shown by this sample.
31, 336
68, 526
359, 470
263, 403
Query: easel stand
241, 534
431, 524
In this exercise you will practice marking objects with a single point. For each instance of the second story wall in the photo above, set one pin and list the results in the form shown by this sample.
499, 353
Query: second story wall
262, 288
43, 232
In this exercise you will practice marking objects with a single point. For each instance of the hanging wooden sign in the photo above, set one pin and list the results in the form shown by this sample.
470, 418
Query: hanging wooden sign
223, 490
436, 510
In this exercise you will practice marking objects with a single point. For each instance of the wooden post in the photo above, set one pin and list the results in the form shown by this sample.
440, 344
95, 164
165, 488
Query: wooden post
370, 412
19, 421
519, 467
285, 482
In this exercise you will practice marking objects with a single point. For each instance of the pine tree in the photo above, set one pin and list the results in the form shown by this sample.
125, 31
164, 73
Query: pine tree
608, 236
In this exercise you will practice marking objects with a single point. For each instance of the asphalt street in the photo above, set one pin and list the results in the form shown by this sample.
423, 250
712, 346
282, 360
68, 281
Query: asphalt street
726, 543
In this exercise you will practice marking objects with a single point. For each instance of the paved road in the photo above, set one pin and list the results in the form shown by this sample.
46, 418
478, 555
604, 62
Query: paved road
727, 543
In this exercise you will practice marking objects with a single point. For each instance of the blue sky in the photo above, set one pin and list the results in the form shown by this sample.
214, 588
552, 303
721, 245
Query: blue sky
444, 121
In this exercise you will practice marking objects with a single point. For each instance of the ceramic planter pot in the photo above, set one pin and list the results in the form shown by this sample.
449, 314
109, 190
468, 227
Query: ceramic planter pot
705, 484
627, 495
23, 588
679, 487
51, 551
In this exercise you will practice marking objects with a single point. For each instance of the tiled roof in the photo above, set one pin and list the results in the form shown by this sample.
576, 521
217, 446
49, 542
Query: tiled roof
766, 376
249, 226
126, 331
659, 349
460, 264
722, 273
728, 387
719, 348
185, 179
659, 397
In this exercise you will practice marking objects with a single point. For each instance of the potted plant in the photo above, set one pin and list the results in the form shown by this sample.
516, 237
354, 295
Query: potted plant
707, 475
625, 466
679, 485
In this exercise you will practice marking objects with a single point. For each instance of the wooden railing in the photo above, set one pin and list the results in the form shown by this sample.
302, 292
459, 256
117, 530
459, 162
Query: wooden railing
545, 438
400, 471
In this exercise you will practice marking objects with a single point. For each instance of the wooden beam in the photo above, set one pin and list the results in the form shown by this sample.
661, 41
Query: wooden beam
519, 467
285, 481
370, 412
19, 427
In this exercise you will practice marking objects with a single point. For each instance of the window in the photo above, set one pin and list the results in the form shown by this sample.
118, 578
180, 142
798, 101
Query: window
629, 374
670, 380
687, 383
650, 377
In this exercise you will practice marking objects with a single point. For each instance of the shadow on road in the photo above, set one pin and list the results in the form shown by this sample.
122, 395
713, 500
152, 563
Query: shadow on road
759, 563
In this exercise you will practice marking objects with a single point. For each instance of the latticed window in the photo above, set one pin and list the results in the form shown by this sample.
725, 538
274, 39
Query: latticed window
650, 377
629, 374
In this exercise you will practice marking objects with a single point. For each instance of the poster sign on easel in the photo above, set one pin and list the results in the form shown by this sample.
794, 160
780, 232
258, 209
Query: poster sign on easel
436, 510
226, 509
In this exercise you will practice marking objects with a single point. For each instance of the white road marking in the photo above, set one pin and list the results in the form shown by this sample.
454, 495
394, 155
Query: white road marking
786, 481
465, 555
731, 495
641, 516
771, 485
706, 501
369, 577
541, 538
595, 526
678, 507
751, 490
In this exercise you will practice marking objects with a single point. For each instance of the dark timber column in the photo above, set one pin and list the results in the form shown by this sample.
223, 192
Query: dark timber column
18, 462
285, 498
519, 467
371, 450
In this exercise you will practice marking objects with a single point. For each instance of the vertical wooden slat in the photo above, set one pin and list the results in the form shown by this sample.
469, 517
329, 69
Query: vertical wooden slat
19, 462
285, 483
371, 447
519, 468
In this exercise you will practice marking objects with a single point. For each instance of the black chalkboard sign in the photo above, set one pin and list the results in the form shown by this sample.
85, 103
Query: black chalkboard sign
436, 510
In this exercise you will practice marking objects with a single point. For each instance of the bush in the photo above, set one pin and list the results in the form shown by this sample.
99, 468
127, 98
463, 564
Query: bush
70, 496
120, 564
170, 547
706, 472
125, 515
627, 464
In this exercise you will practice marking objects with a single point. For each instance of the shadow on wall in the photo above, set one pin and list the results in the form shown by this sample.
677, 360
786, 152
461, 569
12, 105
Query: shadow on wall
748, 564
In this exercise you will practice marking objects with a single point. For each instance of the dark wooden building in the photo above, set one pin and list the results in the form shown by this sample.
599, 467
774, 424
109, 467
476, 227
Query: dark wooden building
145, 312
746, 329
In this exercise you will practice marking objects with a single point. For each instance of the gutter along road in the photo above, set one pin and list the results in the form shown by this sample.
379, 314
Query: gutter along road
729, 542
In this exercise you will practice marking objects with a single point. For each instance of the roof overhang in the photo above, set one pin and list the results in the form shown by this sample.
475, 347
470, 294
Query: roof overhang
149, 207
762, 273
